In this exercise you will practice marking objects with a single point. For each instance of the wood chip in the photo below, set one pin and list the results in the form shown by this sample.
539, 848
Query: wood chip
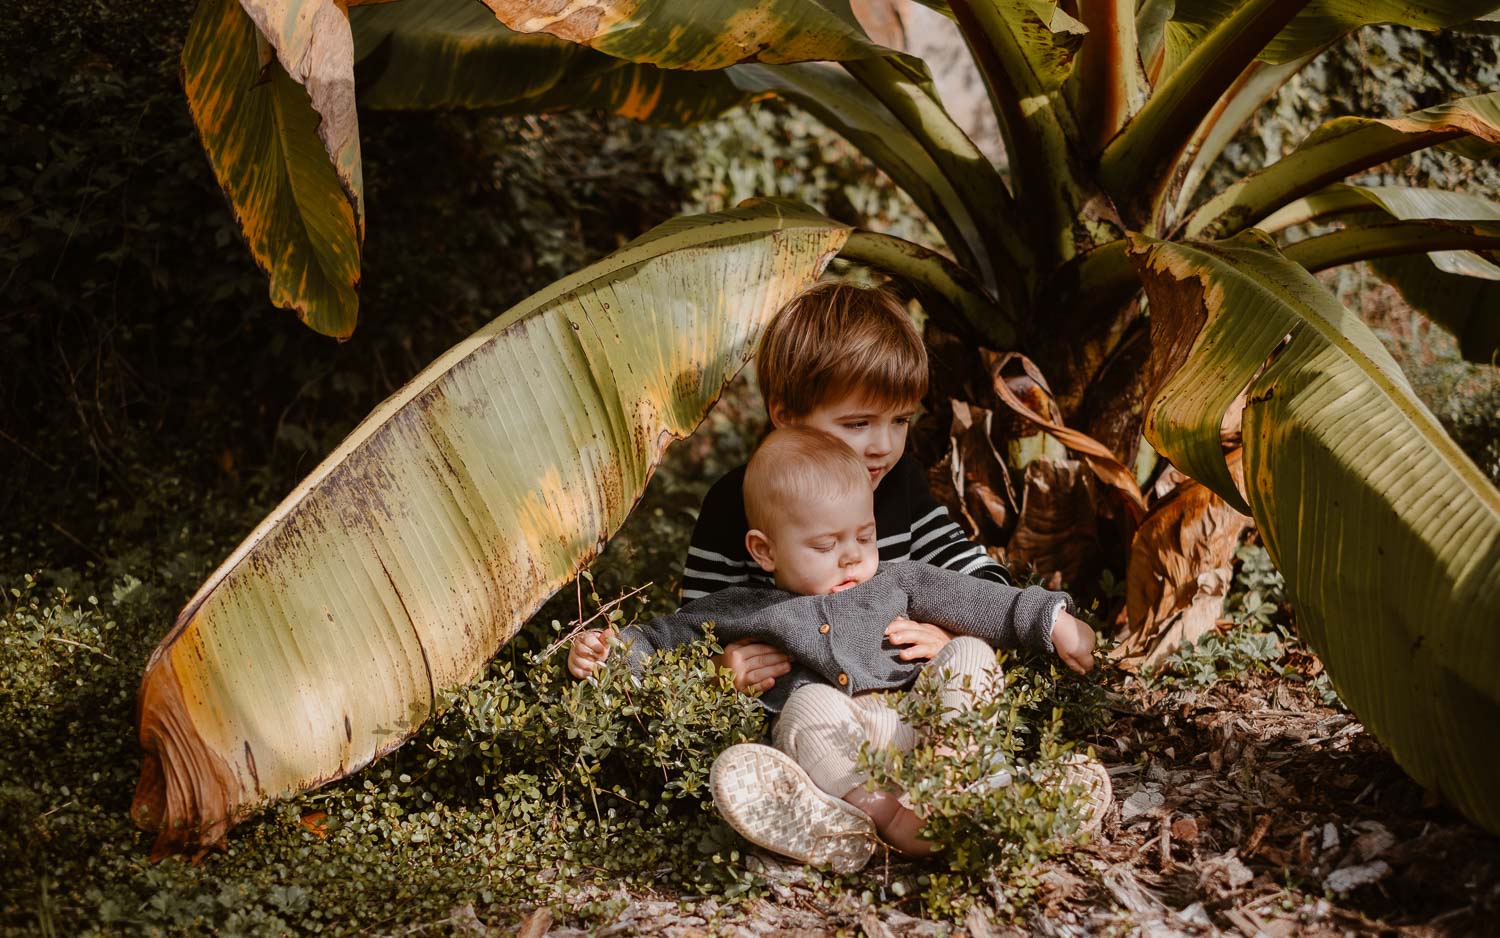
535, 924
1164, 844
1185, 829
1257, 835
872, 926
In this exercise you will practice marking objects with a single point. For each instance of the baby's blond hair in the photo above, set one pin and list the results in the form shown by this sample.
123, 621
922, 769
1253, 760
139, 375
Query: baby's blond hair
793, 464
835, 338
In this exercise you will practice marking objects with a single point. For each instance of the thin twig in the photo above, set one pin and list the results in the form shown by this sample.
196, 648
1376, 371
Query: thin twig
69, 535
27, 450
583, 624
69, 641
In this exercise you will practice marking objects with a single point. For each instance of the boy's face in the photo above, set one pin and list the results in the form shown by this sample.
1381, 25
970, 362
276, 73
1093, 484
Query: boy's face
876, 434
819, 545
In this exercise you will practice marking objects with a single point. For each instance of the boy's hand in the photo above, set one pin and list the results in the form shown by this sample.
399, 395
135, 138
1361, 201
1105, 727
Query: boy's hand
1074, 641
916, 639
589, 650
754, 664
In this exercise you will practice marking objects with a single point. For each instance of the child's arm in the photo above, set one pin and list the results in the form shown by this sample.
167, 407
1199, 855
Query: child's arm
1002, 615
736, 614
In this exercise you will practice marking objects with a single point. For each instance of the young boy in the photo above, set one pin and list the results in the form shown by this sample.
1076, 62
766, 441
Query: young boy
809, 499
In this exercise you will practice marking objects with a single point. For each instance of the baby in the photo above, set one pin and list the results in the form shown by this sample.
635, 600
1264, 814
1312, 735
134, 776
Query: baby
809, 501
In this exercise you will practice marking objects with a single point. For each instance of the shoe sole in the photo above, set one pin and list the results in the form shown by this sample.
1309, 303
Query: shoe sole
767, 797
1097, 796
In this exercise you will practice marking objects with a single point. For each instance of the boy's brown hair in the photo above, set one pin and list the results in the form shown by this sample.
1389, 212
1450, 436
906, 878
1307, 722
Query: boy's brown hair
834, 338
796, 463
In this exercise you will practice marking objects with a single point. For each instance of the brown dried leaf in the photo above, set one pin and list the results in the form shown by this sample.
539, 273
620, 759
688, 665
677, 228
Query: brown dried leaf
1180, 569
1058, 531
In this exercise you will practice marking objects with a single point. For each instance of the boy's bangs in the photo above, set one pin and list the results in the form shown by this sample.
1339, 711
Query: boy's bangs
886, 379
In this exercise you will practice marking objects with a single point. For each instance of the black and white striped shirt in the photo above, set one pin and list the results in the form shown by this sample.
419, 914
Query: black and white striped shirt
909, 525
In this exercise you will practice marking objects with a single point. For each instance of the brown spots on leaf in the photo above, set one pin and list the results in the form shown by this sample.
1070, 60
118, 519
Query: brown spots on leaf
580, 21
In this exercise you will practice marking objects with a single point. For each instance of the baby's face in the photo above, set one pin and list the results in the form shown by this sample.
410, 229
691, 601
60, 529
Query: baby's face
824, 545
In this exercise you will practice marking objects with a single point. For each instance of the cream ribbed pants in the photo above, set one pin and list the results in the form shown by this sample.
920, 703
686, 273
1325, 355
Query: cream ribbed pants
822, 727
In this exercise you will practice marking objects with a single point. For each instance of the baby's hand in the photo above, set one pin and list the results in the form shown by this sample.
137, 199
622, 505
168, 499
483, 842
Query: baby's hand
1074, 641
916, 639
588, 651
754, 664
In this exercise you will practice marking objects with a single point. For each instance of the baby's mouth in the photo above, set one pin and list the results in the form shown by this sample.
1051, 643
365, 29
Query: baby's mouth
847, 584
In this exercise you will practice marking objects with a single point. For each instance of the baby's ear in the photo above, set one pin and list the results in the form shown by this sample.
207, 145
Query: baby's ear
759, 547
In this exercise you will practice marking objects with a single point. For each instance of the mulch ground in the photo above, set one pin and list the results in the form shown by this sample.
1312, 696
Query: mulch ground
1249, 808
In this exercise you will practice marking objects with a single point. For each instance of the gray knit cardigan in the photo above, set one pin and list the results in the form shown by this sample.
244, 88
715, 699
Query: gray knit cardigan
839, 638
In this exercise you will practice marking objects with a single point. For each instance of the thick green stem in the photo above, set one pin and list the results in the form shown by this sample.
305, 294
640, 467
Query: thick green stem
1038, 133
961, 162
936, 276
1105, 85
1137, 164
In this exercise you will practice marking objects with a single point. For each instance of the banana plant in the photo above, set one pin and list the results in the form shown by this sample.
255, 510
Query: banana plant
512, 458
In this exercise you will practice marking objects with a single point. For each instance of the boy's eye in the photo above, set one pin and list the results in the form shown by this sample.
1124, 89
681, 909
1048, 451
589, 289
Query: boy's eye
903, 421
856, 424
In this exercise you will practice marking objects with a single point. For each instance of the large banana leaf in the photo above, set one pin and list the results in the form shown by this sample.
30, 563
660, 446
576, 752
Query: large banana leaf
455, 54
1459, 289
1387, 534
1346, 145
271, 87
416, 549
1316, 23
703, 34
289, 163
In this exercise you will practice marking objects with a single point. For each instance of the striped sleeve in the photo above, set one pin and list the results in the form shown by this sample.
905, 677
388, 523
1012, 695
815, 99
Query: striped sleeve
937, 539
717, 557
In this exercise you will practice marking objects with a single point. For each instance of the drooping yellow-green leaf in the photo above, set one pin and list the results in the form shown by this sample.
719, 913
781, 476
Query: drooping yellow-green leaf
1318, 23
397, 568
284, 145
706, 34
455, 54
1469, 126
1459, 289
1387, 534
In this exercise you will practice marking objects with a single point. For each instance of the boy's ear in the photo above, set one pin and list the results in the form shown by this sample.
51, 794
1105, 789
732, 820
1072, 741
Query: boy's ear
759, 547
777, 413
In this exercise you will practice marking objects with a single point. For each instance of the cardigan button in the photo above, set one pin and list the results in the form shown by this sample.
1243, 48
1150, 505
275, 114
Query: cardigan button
843, 679
823, 628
